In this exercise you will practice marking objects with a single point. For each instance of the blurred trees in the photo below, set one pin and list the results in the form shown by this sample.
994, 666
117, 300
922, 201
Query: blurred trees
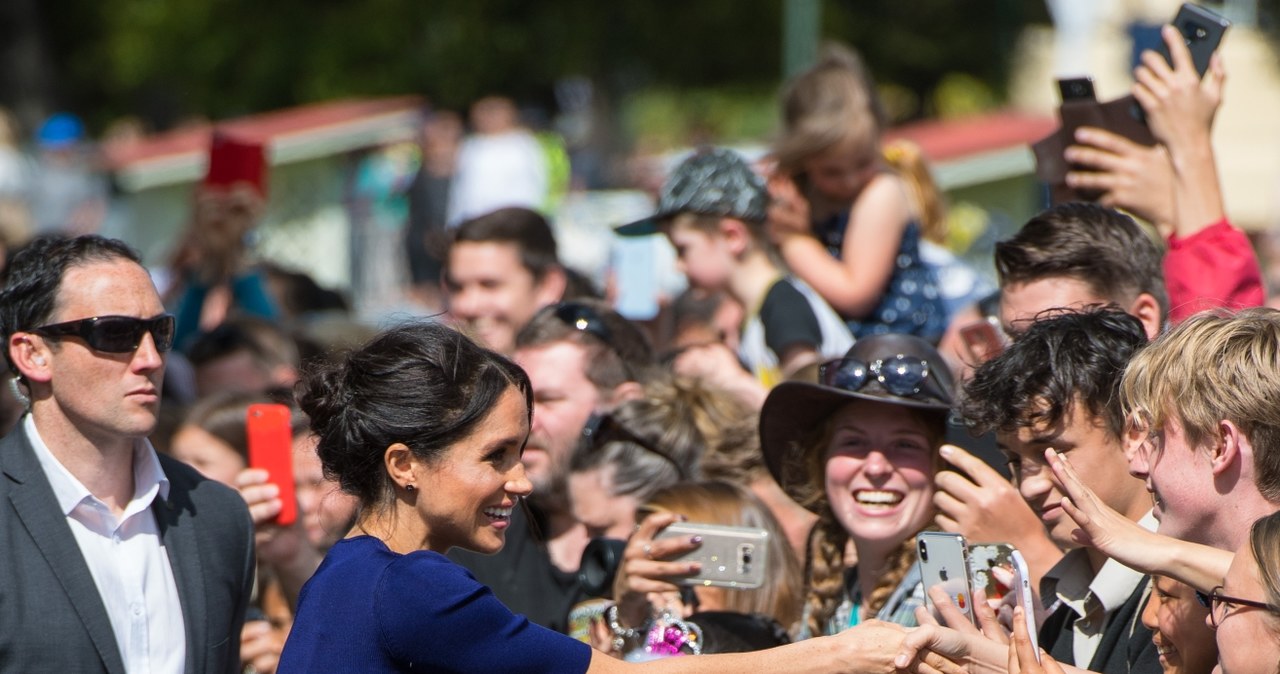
164, 60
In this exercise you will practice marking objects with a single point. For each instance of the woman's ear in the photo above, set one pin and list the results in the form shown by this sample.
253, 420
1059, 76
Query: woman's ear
401, 463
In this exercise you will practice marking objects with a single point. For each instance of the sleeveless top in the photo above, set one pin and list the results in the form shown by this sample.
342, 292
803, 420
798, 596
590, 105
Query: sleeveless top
911, 303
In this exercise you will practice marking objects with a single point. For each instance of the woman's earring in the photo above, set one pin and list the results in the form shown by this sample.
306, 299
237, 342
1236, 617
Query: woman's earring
410, 488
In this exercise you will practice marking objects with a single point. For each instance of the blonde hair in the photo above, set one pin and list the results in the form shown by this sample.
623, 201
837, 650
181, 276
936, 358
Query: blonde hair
908, 161
825, 564
1264, 543
1210, 368
716, 502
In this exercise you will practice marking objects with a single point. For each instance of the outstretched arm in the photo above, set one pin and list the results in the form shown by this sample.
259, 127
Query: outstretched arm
1122, 539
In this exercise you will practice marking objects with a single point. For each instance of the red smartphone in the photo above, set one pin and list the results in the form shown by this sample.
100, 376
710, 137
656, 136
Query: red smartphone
271, 449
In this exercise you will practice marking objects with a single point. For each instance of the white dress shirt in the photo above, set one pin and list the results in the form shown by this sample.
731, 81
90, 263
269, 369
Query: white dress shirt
126, 559
1092, 597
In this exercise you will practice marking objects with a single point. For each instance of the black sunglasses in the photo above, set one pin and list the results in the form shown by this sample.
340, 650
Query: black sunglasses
900, 375
602, 429
114, 334
584, 318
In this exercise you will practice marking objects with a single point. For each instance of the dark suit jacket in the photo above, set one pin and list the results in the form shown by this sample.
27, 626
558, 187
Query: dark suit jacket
1126, 646
51, 616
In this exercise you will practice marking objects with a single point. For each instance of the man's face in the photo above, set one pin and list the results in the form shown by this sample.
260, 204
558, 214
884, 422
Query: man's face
1020, 303
603, 513
563, 400
105, 396
1094, 452
492, 293
1181, 481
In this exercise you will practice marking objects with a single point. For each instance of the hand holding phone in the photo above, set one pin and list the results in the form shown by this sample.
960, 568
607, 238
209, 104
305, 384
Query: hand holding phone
943, 560
1202, 30
271, 449
735, 557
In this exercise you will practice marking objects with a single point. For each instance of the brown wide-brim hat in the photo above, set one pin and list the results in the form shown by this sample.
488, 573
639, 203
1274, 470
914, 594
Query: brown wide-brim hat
794, 409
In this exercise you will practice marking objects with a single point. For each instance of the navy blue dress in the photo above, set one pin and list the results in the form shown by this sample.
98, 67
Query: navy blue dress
368, 609
911, 304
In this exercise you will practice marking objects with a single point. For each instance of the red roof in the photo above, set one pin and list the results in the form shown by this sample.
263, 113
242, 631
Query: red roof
944, 140
267, 127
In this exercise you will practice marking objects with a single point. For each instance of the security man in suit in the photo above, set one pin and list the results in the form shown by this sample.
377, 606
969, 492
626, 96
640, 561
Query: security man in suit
112, 558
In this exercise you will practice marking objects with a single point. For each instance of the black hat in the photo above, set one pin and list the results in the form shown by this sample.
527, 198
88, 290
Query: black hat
711, 181
895, 369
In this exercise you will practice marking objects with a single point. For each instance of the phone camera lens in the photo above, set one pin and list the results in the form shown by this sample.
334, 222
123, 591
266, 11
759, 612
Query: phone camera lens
924, 551
1201, 33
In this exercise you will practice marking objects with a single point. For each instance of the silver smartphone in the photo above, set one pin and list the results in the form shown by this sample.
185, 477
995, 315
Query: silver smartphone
1022, 593
735, 557
943, 561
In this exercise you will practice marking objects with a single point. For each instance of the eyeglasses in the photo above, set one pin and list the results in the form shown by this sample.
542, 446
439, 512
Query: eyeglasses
602, 429
1218, 604
900, 375
114, 334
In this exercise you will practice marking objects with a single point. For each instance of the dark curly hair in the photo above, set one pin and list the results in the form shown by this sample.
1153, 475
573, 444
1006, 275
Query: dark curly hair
421, 384
1062, 358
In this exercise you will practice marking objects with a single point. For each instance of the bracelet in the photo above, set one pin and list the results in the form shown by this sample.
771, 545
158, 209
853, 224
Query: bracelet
621, 635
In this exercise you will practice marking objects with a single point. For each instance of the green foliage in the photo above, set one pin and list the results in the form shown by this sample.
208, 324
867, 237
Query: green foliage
669, 118
166, 59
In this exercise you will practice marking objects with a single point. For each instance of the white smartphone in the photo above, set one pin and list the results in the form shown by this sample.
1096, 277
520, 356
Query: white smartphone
1022, 594
943, 560
735, 557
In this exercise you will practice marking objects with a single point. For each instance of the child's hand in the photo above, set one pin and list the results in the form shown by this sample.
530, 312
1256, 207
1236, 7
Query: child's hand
788, 210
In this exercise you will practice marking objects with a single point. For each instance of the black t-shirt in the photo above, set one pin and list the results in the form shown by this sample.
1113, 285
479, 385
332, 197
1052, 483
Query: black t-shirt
788, 320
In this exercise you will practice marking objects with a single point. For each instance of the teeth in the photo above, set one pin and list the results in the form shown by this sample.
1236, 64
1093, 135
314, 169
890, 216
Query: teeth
498, 513
875, 497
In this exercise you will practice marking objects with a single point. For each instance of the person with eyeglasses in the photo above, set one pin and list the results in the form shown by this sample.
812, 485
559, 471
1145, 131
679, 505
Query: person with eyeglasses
1245, 610
112, 558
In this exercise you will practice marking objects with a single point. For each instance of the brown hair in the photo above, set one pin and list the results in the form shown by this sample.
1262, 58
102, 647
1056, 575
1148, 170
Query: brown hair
628, 355
1210, 368
829, 104
1098, 246
716, 502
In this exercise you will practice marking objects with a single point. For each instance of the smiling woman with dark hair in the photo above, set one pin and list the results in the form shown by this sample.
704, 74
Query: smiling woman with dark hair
426, 429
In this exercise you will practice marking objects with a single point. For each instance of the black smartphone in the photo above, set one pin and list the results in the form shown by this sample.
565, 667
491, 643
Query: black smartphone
1077, 89
1203, 31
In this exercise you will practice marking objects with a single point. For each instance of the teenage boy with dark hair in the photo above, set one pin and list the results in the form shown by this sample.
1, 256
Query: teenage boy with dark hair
1057, 386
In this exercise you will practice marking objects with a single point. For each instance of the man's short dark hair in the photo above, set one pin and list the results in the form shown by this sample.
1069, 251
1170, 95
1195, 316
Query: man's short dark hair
1061, 359
1099, 246
267, 343
528, 231
628, 355
34, 276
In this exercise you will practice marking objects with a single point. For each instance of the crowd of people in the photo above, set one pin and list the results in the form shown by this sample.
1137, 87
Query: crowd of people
494, 488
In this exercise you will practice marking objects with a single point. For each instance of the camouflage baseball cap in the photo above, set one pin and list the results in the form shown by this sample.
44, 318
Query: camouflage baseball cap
711, 181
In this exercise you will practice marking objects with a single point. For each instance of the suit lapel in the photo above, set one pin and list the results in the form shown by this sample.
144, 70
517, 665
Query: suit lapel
179, 539
36, 506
